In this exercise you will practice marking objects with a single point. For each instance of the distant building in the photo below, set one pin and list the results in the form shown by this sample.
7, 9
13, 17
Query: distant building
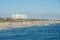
19, 16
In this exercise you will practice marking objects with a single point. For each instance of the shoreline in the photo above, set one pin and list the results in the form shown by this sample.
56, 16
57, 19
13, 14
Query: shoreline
10, 24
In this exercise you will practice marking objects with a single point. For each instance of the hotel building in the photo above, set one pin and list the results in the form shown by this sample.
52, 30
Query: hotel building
19, 16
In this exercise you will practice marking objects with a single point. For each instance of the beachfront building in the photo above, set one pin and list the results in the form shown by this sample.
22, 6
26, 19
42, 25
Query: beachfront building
19, 16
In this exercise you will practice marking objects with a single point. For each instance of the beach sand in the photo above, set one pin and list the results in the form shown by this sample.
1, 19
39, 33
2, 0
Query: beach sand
10, 24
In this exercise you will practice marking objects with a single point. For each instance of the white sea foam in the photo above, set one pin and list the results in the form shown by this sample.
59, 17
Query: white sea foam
1, 28
47, 24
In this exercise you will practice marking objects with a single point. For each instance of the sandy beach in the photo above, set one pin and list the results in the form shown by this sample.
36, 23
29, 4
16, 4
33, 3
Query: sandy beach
9, 24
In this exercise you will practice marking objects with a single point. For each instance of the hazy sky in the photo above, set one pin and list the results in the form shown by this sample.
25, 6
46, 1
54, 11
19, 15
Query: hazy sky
32, 8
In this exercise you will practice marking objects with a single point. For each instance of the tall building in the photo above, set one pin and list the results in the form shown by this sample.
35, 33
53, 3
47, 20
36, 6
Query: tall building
19, 16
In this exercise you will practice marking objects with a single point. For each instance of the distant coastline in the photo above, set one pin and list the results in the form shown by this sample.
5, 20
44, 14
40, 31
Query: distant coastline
23, 22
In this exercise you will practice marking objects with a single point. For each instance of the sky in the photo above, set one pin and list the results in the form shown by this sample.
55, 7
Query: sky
31, 8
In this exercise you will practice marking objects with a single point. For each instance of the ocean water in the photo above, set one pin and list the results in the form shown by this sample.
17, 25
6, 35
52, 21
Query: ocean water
34, 32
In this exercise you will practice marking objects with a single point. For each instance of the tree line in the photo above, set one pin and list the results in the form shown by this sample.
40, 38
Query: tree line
20, 20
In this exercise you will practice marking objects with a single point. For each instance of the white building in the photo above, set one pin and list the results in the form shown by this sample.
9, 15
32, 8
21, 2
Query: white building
19, 16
